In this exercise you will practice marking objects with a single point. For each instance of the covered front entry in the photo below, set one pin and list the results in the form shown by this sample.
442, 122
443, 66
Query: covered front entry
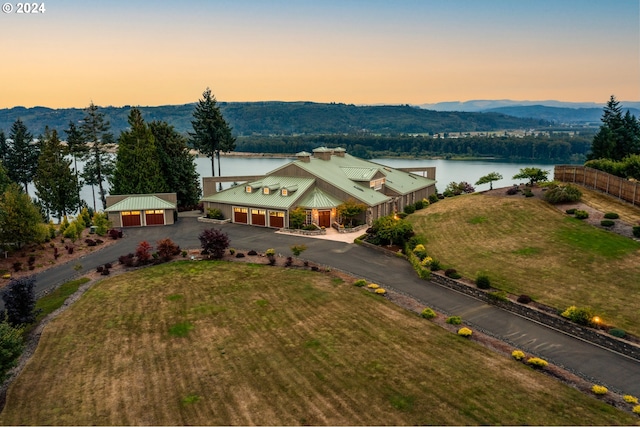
276, 219
154, 216
131, 218
241, 215
324, 219
259, 217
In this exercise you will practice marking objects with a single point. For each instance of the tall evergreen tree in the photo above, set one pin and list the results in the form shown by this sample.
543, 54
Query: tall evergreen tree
22, 155
4, 148
177, 164
137, 165
95, 131
77, 148
618, 136
55, 182
4, 178
211, 133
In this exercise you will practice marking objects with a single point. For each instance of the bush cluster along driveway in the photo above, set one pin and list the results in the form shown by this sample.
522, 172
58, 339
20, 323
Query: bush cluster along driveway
234, 344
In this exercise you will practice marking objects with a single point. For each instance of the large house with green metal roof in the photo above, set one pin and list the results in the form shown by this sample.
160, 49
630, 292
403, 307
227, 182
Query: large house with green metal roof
319, 182
140, 210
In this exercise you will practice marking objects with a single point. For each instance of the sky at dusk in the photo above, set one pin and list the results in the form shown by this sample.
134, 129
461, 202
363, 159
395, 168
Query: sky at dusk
358, 52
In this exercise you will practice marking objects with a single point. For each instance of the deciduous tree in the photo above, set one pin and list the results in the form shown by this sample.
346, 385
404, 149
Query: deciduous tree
351, 208
534, 175
20, 220
489, 178
11, 346
214, 242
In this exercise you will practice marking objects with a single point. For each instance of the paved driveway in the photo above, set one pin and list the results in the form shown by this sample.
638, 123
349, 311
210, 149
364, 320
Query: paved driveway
594, 363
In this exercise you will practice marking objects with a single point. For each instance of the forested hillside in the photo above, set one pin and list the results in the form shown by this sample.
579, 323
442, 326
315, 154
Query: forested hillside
285, 118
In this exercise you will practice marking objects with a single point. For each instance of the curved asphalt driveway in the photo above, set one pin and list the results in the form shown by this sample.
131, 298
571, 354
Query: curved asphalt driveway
616, 371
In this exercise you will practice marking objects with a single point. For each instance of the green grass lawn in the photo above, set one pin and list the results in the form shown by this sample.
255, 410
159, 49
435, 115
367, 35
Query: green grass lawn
527, 246
217, 343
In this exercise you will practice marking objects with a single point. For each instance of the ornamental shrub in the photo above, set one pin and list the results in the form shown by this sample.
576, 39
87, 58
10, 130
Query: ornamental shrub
617, 332
580, 214
630, 399
167, 249
20, 301
580, 315
270, 252
428, 313
465, 332
512, 190
373, 286
611, 215
380, 291
524, 299
599, 390
454, 320
409, 209
435, 265
498, 296
517, 354
571, 211
214, 213
143, 252
360, 283
636, 409
483, 281
420, 251
607, 223
214, 242
528, 193
563, 194
536, 362
11, 346
452, 273
296, 250
636, 231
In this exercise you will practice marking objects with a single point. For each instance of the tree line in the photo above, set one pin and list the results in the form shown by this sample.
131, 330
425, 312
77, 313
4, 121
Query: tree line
150, 158
555, 147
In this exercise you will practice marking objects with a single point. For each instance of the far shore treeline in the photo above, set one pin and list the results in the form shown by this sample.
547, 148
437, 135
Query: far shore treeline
365, 131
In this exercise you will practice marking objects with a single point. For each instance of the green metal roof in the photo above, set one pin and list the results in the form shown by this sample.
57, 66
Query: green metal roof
140, 203
318, 199
403, 182
238, 196
359, 174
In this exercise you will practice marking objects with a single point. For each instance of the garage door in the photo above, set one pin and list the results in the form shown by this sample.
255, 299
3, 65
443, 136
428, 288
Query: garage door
154, 217
241, 215
259, 217
130, 218
276, 219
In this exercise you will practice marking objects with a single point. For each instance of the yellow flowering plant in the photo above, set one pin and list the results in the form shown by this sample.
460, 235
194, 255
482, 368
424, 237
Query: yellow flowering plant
517, 354
636, 409
599, 389
630, 399
380, 291
372, 286
536, 362
465, 332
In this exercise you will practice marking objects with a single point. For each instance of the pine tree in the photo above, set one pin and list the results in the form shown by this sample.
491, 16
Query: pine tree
618, 136
4, 178
177, 164
99, 167
22, 155
55, 182
137, 168
211, 133
77, 148
4, 147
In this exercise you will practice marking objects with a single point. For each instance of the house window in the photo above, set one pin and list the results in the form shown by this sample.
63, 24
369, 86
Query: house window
247, 189
127, 213
309, 219
285, 192
265, 190
376, 184
154, 211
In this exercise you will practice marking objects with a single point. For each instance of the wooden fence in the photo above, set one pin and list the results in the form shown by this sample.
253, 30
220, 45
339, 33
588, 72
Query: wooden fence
621, 188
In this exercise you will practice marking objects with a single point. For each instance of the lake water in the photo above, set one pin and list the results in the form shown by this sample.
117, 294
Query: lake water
446, 170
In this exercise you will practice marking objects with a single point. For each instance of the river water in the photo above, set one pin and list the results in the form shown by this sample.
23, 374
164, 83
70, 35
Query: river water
446, 170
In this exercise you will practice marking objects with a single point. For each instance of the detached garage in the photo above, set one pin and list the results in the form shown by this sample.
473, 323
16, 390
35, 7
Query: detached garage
140, 210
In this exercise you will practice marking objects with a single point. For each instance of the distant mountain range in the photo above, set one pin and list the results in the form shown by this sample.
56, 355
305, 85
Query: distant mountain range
553, 111
286, 118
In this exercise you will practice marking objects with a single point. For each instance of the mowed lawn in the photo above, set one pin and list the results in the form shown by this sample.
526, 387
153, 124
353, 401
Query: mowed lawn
217, 343
527, 246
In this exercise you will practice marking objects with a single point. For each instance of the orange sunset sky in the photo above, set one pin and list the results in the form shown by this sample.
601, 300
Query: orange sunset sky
361, 52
